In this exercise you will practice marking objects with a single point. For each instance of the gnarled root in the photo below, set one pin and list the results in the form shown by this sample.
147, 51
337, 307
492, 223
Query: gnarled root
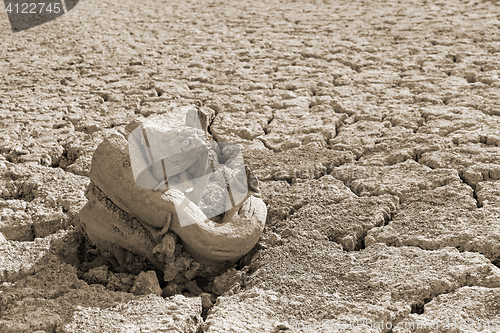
113, 230
211, 242
156, 211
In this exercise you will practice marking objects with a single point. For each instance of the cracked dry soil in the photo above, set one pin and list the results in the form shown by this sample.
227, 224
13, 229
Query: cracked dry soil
374, 128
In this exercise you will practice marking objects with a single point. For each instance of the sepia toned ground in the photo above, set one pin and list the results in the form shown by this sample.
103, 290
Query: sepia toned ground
374, 128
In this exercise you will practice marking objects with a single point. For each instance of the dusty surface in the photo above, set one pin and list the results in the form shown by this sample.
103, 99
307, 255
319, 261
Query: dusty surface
374, 128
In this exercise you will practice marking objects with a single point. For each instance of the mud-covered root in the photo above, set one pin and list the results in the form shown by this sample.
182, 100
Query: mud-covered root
155, 211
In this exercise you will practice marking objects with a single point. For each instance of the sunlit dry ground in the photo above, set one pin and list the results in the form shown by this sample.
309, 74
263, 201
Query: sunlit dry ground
373, 126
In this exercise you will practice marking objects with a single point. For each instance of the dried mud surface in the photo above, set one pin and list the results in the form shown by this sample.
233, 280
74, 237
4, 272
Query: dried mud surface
374, 128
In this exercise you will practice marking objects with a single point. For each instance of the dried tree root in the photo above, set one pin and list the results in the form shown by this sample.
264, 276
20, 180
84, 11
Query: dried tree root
113, 230
211, 242
204, 239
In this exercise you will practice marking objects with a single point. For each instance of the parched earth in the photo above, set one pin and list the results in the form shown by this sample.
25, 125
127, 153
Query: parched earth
374, 128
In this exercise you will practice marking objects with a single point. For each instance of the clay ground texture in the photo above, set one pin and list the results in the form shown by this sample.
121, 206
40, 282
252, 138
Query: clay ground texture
374, 128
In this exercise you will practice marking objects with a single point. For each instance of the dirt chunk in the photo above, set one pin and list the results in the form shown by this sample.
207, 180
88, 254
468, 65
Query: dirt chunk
146, 283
